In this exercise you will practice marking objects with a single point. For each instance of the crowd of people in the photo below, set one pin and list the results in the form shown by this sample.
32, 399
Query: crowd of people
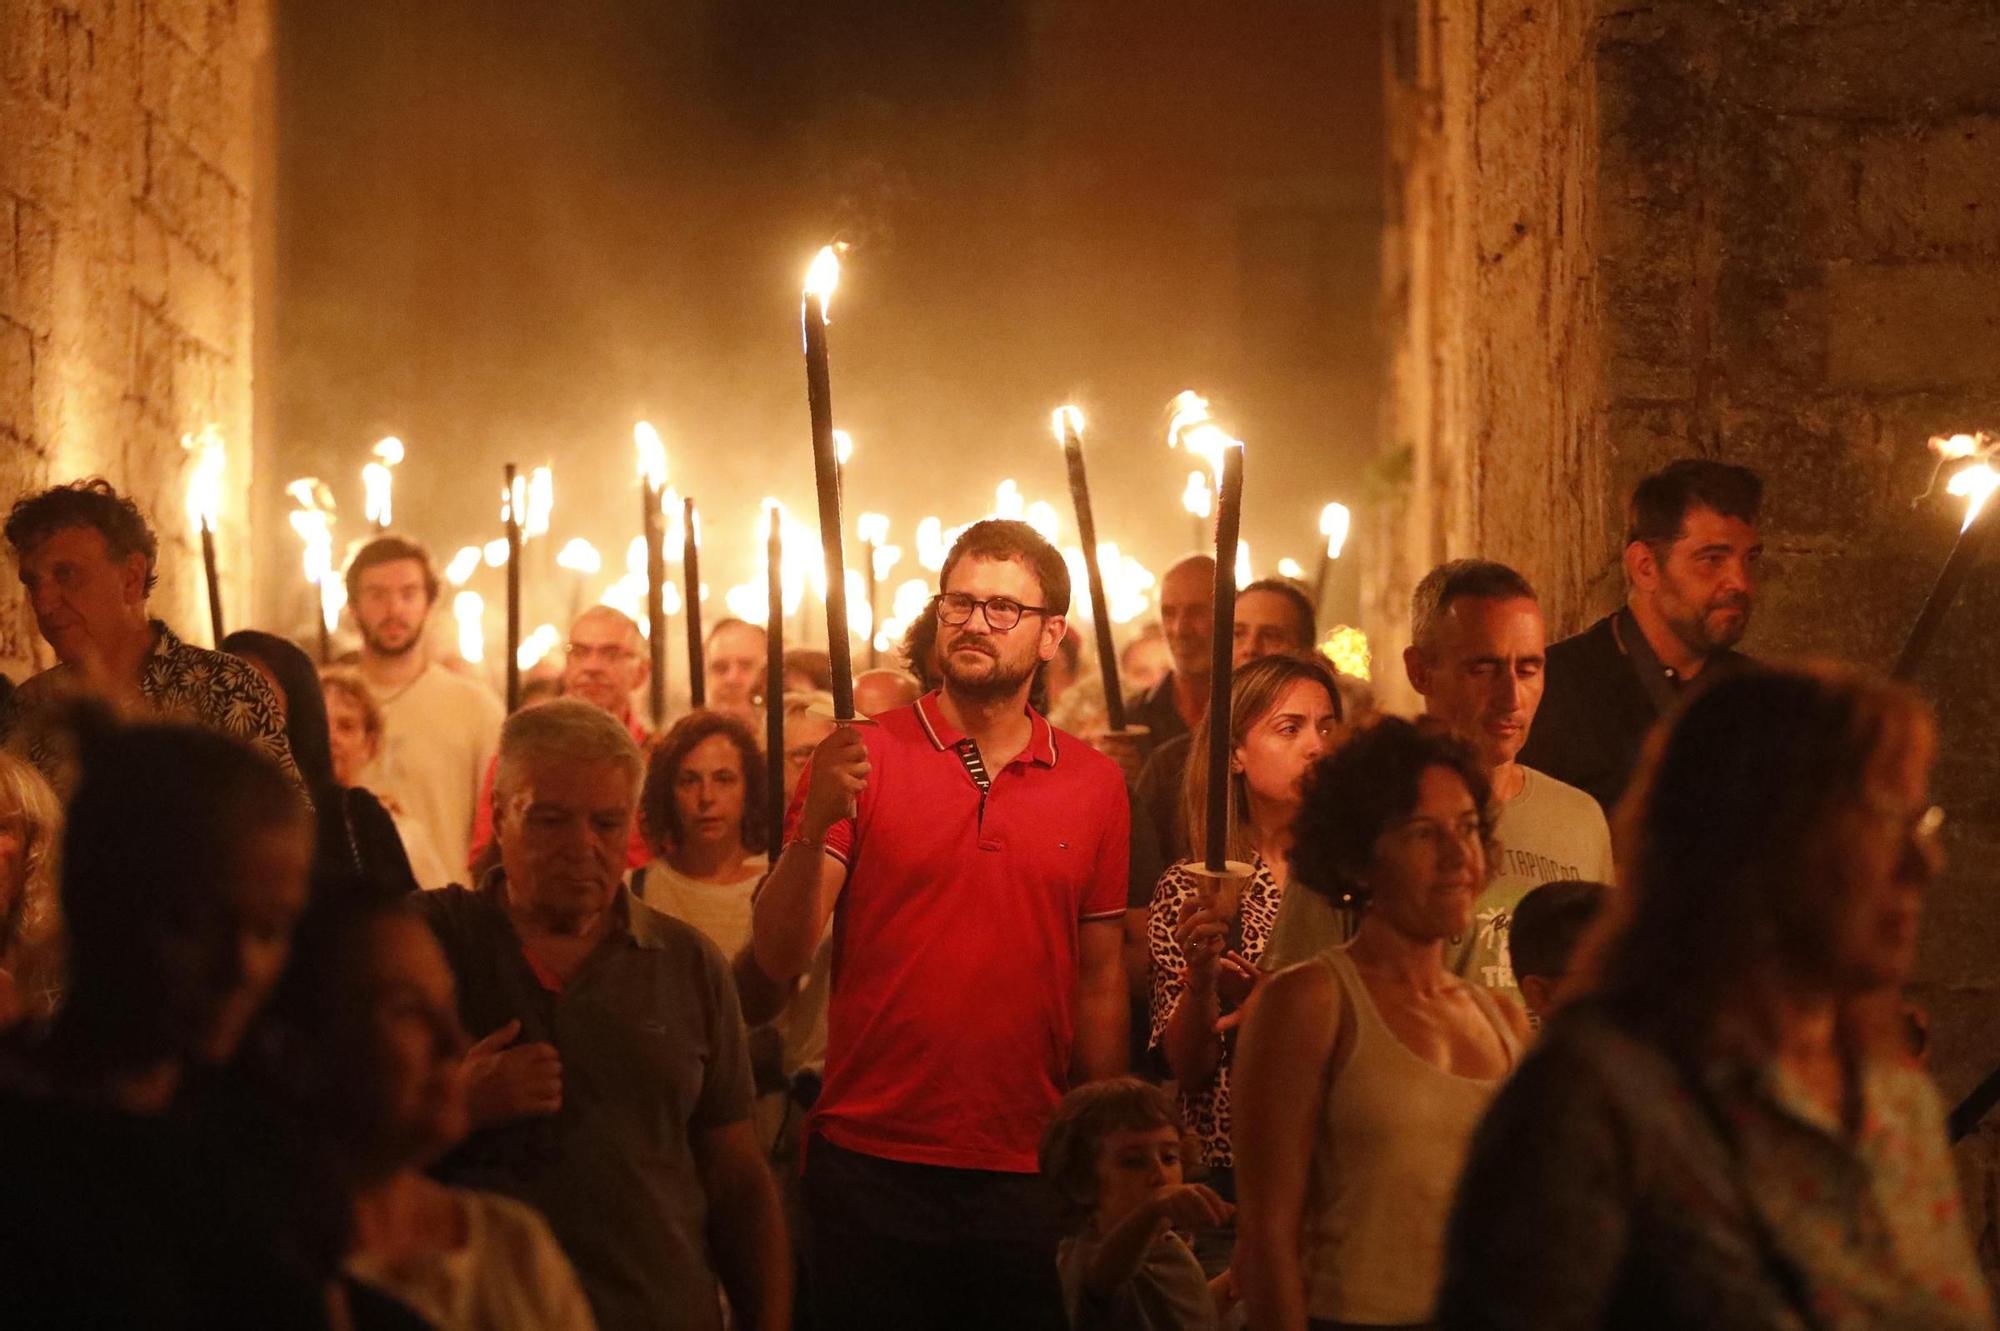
331, 995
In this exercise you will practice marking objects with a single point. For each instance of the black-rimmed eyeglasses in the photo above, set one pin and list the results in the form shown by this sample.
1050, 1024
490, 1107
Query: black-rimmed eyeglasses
1002, 612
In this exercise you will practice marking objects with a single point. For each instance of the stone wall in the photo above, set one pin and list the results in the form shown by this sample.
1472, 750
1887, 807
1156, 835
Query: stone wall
126, 175
1761, 230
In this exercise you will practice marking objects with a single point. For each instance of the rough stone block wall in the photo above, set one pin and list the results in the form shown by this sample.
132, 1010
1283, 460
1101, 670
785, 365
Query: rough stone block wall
1784, 250
126, 168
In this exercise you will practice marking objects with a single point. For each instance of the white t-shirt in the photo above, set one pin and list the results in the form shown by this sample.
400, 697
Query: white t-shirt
439, 732
509, 1276
719, 910
1548, 832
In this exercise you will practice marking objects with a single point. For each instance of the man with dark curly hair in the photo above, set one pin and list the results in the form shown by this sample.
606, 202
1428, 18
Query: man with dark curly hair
88, 561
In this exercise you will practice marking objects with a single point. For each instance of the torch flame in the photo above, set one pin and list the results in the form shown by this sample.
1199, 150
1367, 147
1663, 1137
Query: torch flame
496, 552
542, 640
313, 521
843, 447
651, 454
1197, 498
1335, 521
579, 556
1067, 421
823, 277
540, 504
469, 609
873, 528
1289, 568
1975, 484
204, 491
464, 564
1192, 428
1041, 515
377, 482
390, 450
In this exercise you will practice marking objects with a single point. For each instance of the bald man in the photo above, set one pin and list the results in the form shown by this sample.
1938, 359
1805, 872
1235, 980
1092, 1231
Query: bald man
878, 691
1187, 612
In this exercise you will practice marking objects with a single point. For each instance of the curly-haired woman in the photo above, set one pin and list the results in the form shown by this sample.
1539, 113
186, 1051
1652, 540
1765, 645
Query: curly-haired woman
1362, 1072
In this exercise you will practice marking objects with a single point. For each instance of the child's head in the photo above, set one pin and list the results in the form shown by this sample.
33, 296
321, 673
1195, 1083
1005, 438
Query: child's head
1548, 924
1111, 1146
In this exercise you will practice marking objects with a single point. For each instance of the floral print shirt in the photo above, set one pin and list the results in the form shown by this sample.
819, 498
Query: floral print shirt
1205, 1108
1602, 1191
181, 683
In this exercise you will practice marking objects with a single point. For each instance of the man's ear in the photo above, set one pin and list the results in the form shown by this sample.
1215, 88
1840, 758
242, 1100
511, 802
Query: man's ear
1054, 630
132, 578
1642, 569
1534, 993
1417, 670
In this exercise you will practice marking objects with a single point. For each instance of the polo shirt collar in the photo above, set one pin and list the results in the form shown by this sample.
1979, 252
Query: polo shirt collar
943, 735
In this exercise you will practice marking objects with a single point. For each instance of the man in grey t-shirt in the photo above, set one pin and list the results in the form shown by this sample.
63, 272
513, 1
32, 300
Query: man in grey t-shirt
1478, 643
612, 1087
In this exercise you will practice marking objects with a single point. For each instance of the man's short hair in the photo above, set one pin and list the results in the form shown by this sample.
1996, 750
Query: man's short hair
1460, 579
93, 503
729, 622
1548, 924
1660, 503
1302, 604
562, 729
1003, 538
390, 550
625, 622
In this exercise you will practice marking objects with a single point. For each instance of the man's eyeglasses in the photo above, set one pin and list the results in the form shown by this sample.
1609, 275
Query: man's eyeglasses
1002, 612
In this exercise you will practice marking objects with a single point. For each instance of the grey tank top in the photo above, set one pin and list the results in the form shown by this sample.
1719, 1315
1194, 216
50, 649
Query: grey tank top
1393, 1137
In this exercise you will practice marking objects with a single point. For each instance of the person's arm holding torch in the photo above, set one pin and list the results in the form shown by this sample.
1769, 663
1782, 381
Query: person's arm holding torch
792, 907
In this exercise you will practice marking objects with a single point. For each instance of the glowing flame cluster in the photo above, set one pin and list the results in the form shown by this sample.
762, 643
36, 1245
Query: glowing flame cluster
209, 461
1066, 421
1975, 480
1127, 582
1192, 428
313, 521
377, 480
801, 568
1199, 496
1347, 648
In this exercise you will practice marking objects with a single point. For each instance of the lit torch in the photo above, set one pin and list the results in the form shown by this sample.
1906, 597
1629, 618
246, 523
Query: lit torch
873, 528
1974, 480
1334, 523
691, 581
1194, 430
821, 280
513, 499
652, 466
313, 521
377, 481
1068, 425
204, 506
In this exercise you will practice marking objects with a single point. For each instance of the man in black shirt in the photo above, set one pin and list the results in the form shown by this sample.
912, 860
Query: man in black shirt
1691, 558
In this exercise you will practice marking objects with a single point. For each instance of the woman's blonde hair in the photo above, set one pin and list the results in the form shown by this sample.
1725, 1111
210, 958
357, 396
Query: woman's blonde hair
31, 928
1253, 692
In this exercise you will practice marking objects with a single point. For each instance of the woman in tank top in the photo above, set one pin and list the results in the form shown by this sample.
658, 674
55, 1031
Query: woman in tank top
1362, 1072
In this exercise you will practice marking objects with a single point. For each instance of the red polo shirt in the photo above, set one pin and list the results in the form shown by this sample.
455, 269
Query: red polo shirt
955, 940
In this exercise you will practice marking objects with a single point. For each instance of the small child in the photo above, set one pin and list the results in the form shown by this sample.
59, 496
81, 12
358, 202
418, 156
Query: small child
1548, 924
1113, 1153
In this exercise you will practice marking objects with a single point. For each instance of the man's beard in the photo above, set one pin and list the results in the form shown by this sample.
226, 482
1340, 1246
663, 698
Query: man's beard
997, 682
1699, 637
380, 648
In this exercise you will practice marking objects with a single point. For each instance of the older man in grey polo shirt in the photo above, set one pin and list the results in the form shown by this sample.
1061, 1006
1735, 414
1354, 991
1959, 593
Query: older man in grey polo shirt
612, 1089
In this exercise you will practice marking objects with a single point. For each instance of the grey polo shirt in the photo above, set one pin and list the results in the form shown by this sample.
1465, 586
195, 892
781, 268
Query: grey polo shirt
653, 1056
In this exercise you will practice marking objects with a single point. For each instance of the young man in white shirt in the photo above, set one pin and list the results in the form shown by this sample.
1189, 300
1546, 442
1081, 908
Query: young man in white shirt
440, 729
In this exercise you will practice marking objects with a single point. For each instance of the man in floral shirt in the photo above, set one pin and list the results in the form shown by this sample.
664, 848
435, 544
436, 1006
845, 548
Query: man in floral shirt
87, 559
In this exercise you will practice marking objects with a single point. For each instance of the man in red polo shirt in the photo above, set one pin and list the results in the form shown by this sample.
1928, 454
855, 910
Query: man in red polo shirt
973, 861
